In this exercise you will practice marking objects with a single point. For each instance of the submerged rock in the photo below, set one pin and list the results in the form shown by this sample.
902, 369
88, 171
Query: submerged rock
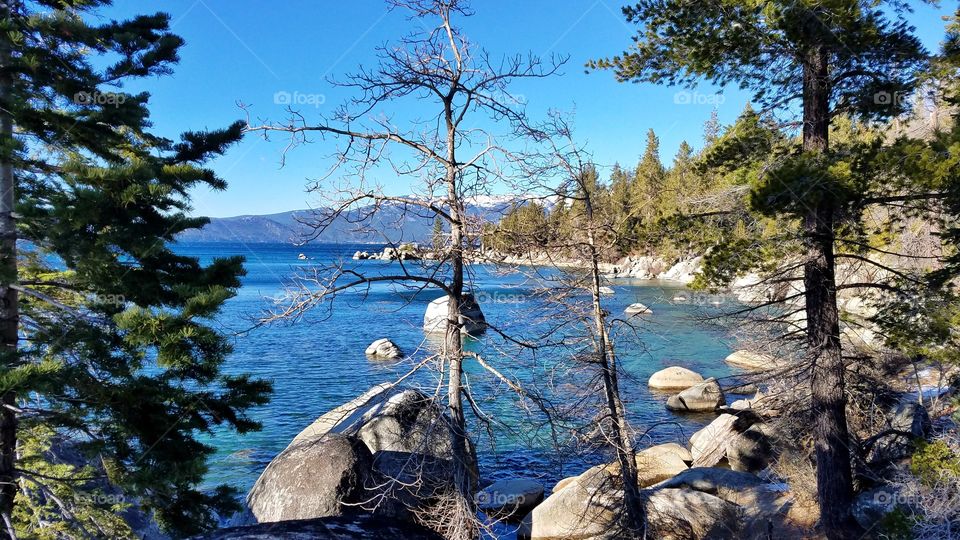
674, 378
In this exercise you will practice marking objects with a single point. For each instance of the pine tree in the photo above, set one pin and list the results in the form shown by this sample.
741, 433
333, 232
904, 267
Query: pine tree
711, 128
107, 344
837, 57
645, 190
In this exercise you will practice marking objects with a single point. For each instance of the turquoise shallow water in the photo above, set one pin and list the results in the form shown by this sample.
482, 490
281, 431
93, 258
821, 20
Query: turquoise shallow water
318, 363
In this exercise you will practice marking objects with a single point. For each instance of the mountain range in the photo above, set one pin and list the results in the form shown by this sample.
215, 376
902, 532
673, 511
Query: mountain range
392, 223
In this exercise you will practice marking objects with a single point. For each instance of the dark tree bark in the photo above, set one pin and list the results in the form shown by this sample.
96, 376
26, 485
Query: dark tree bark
834, 475
9, 312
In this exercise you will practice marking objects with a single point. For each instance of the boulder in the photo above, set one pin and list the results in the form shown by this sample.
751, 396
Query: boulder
709, 445
317, 477
670, 448
909, 421
346, 416
409, 438
761, 502
606, 291
753, 450
585, 508
702, 397
682, 513
752, 361
509, 499
657, 463
471, 317
674, 378
563, 483
383, 348
723, 483
741, 442
637, 309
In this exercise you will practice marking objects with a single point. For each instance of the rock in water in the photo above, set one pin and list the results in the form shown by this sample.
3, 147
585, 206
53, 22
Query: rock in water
637, 309
383, 348
471, 317
674, 378
704, 397
317, 477
509, 499
606, 291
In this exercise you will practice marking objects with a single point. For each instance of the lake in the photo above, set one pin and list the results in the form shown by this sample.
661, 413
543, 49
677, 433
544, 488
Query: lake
318, 362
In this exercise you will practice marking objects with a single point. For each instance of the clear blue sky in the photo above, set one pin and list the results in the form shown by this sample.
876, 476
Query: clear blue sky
248, 50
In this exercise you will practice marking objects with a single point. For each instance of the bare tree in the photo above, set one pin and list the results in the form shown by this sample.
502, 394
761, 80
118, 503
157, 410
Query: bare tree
562, 173
449, 155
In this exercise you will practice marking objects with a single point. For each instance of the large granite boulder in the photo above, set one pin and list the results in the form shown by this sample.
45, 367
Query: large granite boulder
317, 477
383, 348
703, 397
509, 499
674, 378
687, 514
586, 506
762, 503
409, 439
471, 317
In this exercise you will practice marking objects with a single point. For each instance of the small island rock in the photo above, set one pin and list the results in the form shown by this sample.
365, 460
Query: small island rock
383, 348
674, 378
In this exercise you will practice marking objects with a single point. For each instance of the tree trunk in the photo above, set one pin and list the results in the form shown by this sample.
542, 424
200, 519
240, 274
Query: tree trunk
464, 526
632, 503
834, 475
9, 312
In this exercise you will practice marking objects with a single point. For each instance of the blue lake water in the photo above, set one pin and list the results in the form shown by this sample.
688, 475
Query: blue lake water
318, 362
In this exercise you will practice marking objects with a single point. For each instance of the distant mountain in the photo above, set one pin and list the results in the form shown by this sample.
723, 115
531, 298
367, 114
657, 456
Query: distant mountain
391, 223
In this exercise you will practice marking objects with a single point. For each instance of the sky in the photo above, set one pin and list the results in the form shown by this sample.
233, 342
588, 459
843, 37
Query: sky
258, 52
